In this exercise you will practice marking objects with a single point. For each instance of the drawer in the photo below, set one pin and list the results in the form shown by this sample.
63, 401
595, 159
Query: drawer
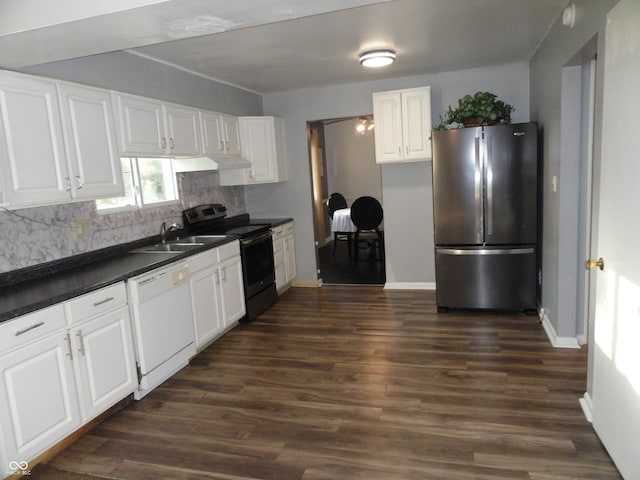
30, 327
228, 250
96, 303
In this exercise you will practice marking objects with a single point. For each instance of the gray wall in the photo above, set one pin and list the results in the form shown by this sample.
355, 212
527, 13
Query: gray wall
351, 162
127, 72
548, 70
406, 188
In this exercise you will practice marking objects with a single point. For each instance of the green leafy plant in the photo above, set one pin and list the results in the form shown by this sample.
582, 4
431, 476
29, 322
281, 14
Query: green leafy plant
483, 108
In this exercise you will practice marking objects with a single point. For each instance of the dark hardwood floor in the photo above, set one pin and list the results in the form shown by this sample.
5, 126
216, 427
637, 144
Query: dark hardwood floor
340, 269
358, 382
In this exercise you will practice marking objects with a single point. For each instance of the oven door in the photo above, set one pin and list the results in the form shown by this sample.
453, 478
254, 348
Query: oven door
257, 263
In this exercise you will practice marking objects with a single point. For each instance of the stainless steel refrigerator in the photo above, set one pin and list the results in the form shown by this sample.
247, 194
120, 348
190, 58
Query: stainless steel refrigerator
485, 217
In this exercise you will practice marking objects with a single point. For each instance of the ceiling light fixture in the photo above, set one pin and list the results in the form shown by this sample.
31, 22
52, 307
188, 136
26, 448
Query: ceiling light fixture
377, 58
364, 125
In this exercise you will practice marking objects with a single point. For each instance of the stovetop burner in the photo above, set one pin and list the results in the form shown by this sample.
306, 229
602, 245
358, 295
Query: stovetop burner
211, 219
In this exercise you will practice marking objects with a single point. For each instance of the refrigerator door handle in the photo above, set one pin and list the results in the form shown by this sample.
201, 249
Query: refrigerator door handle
489, 185
486, 251
478, 191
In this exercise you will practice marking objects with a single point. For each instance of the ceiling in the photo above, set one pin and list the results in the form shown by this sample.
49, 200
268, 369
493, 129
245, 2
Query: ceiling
275, 45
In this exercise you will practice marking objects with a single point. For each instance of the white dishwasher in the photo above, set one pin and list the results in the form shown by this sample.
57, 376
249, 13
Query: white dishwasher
163, 324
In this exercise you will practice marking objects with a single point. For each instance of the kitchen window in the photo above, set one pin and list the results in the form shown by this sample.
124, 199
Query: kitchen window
147, 182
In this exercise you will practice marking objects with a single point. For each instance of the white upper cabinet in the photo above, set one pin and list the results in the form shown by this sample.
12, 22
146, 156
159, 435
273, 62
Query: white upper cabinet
183, 130
32, 156
262, 141
403, 125
150, 127
57, 142
220, 134
90, 142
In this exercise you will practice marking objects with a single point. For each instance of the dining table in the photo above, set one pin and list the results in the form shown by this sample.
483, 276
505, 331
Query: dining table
342, 221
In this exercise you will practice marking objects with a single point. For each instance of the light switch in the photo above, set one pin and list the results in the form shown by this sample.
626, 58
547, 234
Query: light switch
554, 183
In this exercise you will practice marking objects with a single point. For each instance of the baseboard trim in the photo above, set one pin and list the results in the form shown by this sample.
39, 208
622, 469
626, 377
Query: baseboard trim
410, 286
316, 283
587, 406
556, 341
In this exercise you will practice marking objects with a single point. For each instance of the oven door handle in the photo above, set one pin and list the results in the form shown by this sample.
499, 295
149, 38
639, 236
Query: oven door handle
258, 238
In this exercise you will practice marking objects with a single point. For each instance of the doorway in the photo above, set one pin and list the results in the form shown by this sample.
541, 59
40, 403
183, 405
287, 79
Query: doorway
577, 127
342, 157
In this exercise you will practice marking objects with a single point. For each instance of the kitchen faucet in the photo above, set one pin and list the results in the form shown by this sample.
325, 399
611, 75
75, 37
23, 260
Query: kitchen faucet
164, 231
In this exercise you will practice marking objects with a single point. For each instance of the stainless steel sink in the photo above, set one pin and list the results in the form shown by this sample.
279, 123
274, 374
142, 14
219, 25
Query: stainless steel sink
169, 247
201, 239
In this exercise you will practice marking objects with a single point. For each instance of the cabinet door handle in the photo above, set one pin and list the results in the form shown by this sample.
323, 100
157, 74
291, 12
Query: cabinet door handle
70, 352
81, 338
28, 329
222, 145
399, 151
216, 275
224, 274
171, 143
163, 143
407, 149
227, 144
80, 184
68, 189
97, 304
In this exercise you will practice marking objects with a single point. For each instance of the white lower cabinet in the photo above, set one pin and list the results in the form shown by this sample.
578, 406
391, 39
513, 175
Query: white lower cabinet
104, 361
38, 394
289, 253
284, 258
278, 258
217, 291
60, 367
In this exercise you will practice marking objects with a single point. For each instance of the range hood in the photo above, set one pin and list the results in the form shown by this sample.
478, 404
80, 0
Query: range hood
194, 164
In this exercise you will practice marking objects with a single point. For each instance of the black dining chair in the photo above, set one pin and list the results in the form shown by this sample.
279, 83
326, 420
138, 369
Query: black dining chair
336, 201
367, 214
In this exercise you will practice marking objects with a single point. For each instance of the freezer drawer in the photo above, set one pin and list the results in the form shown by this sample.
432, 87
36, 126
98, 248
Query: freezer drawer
488, 278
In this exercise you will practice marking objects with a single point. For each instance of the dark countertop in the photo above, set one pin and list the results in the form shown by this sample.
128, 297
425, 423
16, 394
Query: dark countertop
274, 222
32, 288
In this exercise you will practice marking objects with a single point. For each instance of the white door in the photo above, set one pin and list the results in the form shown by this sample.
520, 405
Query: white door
90, 139
212, 133
105, 361
183, 130
32, 156
205, 298
231, 134
141, 126
416, 123
258, 147
38, 397
387, 115
232, 290
616, 355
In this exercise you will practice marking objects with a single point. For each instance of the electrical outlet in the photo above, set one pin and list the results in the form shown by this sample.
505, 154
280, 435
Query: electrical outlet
82, 228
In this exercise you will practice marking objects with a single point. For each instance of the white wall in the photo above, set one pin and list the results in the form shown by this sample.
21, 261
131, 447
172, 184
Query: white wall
406, 188
549, 95
351, 162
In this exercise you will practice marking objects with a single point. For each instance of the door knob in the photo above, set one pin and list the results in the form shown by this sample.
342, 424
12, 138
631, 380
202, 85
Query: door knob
591, 264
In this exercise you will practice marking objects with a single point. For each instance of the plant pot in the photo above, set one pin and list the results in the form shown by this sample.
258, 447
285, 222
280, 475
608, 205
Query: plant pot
471, 122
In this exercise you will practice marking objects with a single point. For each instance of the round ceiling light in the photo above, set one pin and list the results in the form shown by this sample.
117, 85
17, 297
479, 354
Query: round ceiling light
377, 58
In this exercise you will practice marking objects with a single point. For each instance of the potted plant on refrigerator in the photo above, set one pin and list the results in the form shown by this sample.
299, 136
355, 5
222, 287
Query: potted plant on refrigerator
482, 108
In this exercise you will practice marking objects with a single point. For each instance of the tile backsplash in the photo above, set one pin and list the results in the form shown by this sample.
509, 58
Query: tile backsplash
35, 235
